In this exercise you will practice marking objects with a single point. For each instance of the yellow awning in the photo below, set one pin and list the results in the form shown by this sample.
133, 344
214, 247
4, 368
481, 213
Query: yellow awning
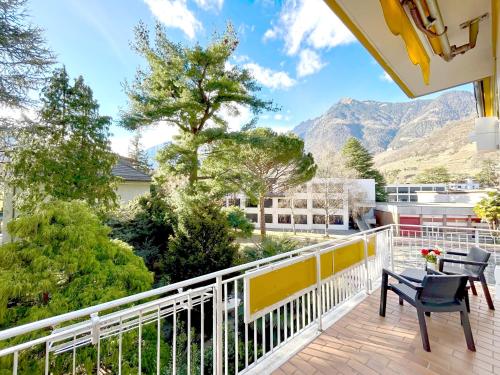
399, 24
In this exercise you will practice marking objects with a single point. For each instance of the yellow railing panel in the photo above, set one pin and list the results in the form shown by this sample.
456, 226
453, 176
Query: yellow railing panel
268, 289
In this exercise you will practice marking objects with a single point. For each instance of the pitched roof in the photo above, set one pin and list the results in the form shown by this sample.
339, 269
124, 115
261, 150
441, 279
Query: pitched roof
126, 169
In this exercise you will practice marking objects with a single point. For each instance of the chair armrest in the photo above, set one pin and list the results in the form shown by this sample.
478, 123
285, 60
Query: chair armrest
403, 280
456, 253
469, 262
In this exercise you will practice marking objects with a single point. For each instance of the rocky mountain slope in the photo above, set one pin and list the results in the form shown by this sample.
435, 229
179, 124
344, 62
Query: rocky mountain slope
384, 126
448, 146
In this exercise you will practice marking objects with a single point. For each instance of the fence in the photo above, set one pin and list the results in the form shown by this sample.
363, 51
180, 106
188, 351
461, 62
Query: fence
203, 325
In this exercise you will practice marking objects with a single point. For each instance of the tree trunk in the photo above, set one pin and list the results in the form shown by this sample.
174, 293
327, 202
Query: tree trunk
193, 174
262, 221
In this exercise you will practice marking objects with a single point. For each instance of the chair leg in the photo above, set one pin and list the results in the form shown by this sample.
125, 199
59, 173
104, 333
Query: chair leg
487, 292
427, 313
401, 301
464, 317
466, 299
423, 330
383, 293
473, 287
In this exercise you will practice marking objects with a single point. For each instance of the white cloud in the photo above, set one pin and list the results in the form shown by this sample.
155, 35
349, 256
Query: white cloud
386, 77
278, 116
310, 23
270, 78
151, 136
175, 13
210, 4
309, 63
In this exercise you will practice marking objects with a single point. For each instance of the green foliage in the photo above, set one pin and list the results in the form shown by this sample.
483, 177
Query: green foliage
146, 224
203, 242
66, 154
260, 161
434, 175
488, 209
267, 248
137, 153
238, 221
489, 175
358, 159
189, 87
24, 58
63, 260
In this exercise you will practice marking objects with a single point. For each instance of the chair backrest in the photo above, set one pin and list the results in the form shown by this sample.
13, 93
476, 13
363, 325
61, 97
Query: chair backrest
476, 254
443, 289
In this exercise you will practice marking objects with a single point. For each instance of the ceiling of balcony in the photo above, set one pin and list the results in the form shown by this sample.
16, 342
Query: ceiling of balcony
366, 19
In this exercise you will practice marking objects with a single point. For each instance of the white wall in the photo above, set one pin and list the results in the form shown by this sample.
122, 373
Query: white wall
466, 197
129, 190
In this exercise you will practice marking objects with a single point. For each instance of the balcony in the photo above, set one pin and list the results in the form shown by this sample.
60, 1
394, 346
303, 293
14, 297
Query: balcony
221, 323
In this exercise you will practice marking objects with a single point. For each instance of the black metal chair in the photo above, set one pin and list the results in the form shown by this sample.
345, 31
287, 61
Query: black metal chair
475, 262
436, 293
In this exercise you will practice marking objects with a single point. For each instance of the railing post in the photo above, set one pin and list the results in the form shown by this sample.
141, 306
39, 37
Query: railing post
368, 281
219, 324
476, 237
391, 247
319, 295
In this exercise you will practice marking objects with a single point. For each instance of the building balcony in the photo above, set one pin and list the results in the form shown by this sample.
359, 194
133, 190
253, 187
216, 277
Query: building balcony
310, 311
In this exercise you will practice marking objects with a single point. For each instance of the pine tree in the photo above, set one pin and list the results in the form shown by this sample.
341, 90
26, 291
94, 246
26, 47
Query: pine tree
190, 88
137, 153
359, 159
24, 58
66, 154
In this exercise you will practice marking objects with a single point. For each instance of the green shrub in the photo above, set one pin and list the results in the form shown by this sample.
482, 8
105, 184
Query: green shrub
203, 242
146, 224
242, 227
267, 248
62, 260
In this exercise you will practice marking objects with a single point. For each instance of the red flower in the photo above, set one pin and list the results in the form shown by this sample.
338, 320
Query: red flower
425, 252
437, 252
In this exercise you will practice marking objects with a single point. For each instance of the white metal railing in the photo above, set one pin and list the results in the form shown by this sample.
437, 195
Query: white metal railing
197, 327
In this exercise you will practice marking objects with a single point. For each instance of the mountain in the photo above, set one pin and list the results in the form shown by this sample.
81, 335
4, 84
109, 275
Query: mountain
448, 146
384, 126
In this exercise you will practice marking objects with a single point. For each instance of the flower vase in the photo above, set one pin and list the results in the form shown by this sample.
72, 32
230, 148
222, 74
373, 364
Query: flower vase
431, 266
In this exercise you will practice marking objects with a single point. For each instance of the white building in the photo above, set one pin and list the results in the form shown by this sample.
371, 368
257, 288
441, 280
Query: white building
306, 208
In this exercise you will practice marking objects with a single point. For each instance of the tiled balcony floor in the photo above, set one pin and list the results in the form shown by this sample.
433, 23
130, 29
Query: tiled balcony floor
362, 342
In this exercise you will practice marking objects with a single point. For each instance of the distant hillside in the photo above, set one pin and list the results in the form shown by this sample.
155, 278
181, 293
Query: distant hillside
383, 125
448, 146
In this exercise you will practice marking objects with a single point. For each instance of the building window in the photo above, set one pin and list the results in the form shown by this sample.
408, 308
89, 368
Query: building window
403, 198
336, 219
390, 189
414, 189
233, 202
318, 219
402, 189
269, 218
250, 204
283, 203
336, 188
392, 198
268, 203
284, 219
318, 203
300, 219
252, 218
302, 188
318, 188
413, 198
300, 203
439, 188
426, 188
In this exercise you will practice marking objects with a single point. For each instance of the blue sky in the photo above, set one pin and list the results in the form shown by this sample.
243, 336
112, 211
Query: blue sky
304, 57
